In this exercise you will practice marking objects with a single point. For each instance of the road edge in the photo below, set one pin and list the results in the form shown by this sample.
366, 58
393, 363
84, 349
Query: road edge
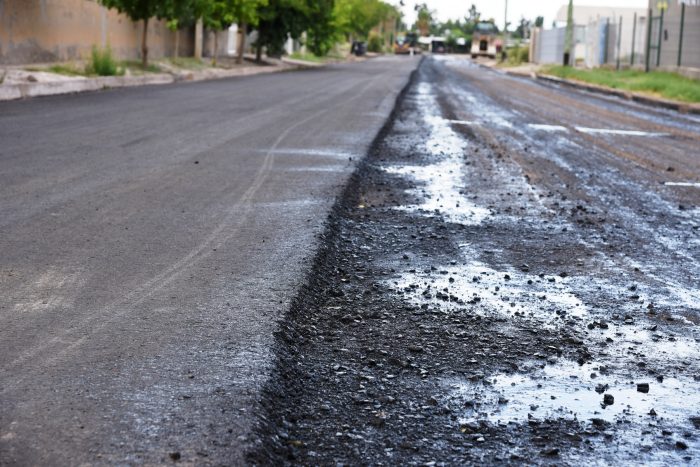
681, 107
314, 280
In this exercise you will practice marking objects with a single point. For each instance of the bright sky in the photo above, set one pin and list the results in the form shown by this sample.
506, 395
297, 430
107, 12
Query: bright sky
530, 9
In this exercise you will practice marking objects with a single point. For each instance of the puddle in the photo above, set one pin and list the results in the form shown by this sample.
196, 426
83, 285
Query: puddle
567, 390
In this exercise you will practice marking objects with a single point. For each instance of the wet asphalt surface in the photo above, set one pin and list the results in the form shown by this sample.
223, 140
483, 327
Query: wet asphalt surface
511, 276
150, 240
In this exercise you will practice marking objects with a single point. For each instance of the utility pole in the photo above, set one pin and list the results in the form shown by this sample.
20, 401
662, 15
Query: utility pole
505, 32
569, 34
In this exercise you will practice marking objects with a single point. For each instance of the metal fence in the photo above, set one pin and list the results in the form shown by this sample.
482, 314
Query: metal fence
668, 38
673, 37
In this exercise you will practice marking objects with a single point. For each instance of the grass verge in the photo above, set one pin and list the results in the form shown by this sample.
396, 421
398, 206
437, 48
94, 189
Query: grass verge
188, 63
659, 83
316, 59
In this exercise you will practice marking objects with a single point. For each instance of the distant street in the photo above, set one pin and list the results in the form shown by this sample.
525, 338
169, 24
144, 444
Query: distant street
150, 240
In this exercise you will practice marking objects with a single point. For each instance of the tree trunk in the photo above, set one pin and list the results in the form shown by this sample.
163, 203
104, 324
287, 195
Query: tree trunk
198, 33
258, 48
144, 45
241, 43
177, 43
216, 47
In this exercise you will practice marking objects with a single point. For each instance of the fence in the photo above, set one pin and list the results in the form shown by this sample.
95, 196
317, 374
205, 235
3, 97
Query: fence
674, 36
667, 39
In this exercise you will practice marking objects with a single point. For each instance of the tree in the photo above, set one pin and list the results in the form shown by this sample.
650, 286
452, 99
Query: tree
178, 13
474, 15
277, 20
424, 20
356, 18
322, 29
138, 10
523, 29
218, 15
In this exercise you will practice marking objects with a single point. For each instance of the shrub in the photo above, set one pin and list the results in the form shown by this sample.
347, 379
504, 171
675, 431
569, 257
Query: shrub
102, 63
375, 43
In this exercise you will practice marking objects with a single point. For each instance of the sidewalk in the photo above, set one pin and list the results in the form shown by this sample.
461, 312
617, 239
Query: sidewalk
17, 82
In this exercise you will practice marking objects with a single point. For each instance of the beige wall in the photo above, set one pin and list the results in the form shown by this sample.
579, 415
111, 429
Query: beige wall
34, 31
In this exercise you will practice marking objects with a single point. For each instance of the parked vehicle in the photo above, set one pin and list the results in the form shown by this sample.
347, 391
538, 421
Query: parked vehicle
407, 44
485, 40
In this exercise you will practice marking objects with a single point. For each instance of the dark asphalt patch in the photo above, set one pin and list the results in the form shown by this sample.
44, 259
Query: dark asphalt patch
420, 340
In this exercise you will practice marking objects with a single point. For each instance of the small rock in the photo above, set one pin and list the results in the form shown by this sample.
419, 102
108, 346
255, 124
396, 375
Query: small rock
608, 399
681, 445
643, 387
175, 456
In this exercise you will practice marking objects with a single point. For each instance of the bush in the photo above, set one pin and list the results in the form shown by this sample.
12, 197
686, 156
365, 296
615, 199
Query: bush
518, 55
102, 63
375, 43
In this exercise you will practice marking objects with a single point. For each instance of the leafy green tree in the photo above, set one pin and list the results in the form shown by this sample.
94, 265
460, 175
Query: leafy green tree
277, 20
178, 14
138, 10
523, 29
322, 30
356, 18
218, 15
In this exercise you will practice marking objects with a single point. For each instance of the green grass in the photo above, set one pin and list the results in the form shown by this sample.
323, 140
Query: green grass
136, 68
59, 69
102, 63
188, 63
659, 83
307, 57
63, 69
515, 56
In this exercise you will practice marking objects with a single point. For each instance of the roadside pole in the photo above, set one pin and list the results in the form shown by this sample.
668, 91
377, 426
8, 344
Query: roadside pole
634, 38
648, 47
661, 37
619, 36
680, 39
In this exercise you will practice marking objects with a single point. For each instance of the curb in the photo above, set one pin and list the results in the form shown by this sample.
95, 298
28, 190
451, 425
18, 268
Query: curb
25, 90
302, 63
682, 107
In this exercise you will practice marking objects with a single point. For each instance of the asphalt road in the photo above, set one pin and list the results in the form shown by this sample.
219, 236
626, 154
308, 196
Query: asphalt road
150, 239
511, 278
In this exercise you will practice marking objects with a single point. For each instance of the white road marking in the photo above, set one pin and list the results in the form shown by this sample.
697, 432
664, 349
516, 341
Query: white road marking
543, 127
583, 129
690, 184
611, 131
463, 122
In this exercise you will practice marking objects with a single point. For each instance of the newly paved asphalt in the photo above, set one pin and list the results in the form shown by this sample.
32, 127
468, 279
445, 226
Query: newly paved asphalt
150, 239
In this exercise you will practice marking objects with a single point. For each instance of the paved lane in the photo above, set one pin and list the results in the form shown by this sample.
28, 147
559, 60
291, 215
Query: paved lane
150, 239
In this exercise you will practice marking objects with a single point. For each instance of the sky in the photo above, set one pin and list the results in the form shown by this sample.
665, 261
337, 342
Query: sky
530, 9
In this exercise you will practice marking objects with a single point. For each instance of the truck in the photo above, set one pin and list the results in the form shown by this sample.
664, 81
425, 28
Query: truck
485, 40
